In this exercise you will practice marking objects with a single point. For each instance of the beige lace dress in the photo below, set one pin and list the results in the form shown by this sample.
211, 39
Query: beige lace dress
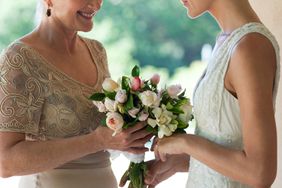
42, 102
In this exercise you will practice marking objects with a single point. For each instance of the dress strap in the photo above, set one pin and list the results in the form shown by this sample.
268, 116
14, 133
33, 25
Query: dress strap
245, 30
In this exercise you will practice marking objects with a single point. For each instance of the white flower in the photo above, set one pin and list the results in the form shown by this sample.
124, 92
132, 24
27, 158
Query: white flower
143, 116
133, 112
149, 98
174, 90
110, 85
100, 105
164, 120
115, 122
121, 96
187, 109
110, 105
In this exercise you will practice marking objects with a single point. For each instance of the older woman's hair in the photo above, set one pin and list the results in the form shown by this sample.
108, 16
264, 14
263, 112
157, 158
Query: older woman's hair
39, 12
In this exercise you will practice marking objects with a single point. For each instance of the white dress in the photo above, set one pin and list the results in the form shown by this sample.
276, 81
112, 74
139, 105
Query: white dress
217, 112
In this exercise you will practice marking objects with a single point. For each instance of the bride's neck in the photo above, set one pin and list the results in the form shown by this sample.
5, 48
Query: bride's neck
230, 15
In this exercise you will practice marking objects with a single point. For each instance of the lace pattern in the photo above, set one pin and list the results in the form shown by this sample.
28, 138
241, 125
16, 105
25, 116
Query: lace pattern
42, 102
217, 111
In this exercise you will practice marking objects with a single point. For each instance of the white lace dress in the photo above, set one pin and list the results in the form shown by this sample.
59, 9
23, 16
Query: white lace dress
217, 112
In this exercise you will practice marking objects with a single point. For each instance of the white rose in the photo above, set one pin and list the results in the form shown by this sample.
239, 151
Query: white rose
115, 122
133, 112
110, 105
100, 105
121, 96
174, 90
110, 85
149, 98
164, 131
187, 109
164, 120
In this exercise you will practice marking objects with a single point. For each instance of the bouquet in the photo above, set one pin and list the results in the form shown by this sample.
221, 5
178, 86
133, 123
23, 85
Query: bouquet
133, 100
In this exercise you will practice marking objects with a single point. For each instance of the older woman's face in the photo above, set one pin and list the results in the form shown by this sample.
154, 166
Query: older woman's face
75, 14
196, 8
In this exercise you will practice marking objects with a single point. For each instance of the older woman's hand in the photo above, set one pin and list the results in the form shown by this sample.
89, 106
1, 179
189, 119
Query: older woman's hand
159, 171
132, 139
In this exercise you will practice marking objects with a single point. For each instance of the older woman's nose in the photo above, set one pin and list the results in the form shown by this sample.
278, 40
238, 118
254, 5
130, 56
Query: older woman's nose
95, 4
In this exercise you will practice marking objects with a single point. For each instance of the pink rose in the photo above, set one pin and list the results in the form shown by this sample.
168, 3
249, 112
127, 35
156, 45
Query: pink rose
174, 90
115, 122
155, 79
136, 83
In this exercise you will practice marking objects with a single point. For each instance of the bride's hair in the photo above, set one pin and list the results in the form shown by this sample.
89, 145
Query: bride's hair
39, 12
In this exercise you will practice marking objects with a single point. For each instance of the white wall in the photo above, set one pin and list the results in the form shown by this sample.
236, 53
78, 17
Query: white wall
270, 11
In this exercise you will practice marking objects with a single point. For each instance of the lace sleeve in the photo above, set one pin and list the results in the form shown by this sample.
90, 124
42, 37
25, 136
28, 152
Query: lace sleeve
21, 98
101, 57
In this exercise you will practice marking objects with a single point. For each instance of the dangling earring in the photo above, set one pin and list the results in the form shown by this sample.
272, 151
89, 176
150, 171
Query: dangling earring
48, 13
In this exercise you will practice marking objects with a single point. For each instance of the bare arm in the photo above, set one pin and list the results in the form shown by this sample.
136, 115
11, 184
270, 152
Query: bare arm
250, 77
21, 157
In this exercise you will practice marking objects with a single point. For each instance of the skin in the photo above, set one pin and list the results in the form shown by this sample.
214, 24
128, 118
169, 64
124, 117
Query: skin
250, 79
22, 157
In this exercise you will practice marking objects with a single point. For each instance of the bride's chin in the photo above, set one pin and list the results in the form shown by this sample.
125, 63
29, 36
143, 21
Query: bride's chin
194, 15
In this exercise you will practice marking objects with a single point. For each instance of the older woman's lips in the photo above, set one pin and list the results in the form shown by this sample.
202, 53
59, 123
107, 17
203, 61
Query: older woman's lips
87, 15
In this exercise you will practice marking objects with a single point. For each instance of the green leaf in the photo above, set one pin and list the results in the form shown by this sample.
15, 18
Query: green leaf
125, 83
176, 110
152, 130
182, 124
135, 71
169, 106
129, 104
179, 131
110, 95
181, 102
98, 97
182, 94
103, 122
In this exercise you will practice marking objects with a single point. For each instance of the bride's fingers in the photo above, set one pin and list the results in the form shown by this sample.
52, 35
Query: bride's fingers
156, 152
160, 178
155, 141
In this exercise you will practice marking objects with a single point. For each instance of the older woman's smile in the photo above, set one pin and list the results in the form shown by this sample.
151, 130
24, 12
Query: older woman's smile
87, 15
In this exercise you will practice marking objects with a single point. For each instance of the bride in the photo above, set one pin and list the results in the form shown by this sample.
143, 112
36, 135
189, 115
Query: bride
235, 144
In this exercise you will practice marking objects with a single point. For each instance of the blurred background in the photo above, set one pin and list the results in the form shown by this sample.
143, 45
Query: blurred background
157, 35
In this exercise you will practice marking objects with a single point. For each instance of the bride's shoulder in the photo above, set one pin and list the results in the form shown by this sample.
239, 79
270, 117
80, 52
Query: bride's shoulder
255, 46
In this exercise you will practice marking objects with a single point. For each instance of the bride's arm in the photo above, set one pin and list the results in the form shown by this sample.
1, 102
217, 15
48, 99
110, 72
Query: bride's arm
251, 75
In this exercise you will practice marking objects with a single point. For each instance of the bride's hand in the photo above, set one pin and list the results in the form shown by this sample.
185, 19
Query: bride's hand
159, 171
131, 140
172, 145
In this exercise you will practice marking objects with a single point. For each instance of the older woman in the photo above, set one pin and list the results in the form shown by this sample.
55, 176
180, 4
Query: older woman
49, 130
235, 141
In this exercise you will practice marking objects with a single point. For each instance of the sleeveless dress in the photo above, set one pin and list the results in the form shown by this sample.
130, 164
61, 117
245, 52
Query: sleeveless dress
217, 112
44, 103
